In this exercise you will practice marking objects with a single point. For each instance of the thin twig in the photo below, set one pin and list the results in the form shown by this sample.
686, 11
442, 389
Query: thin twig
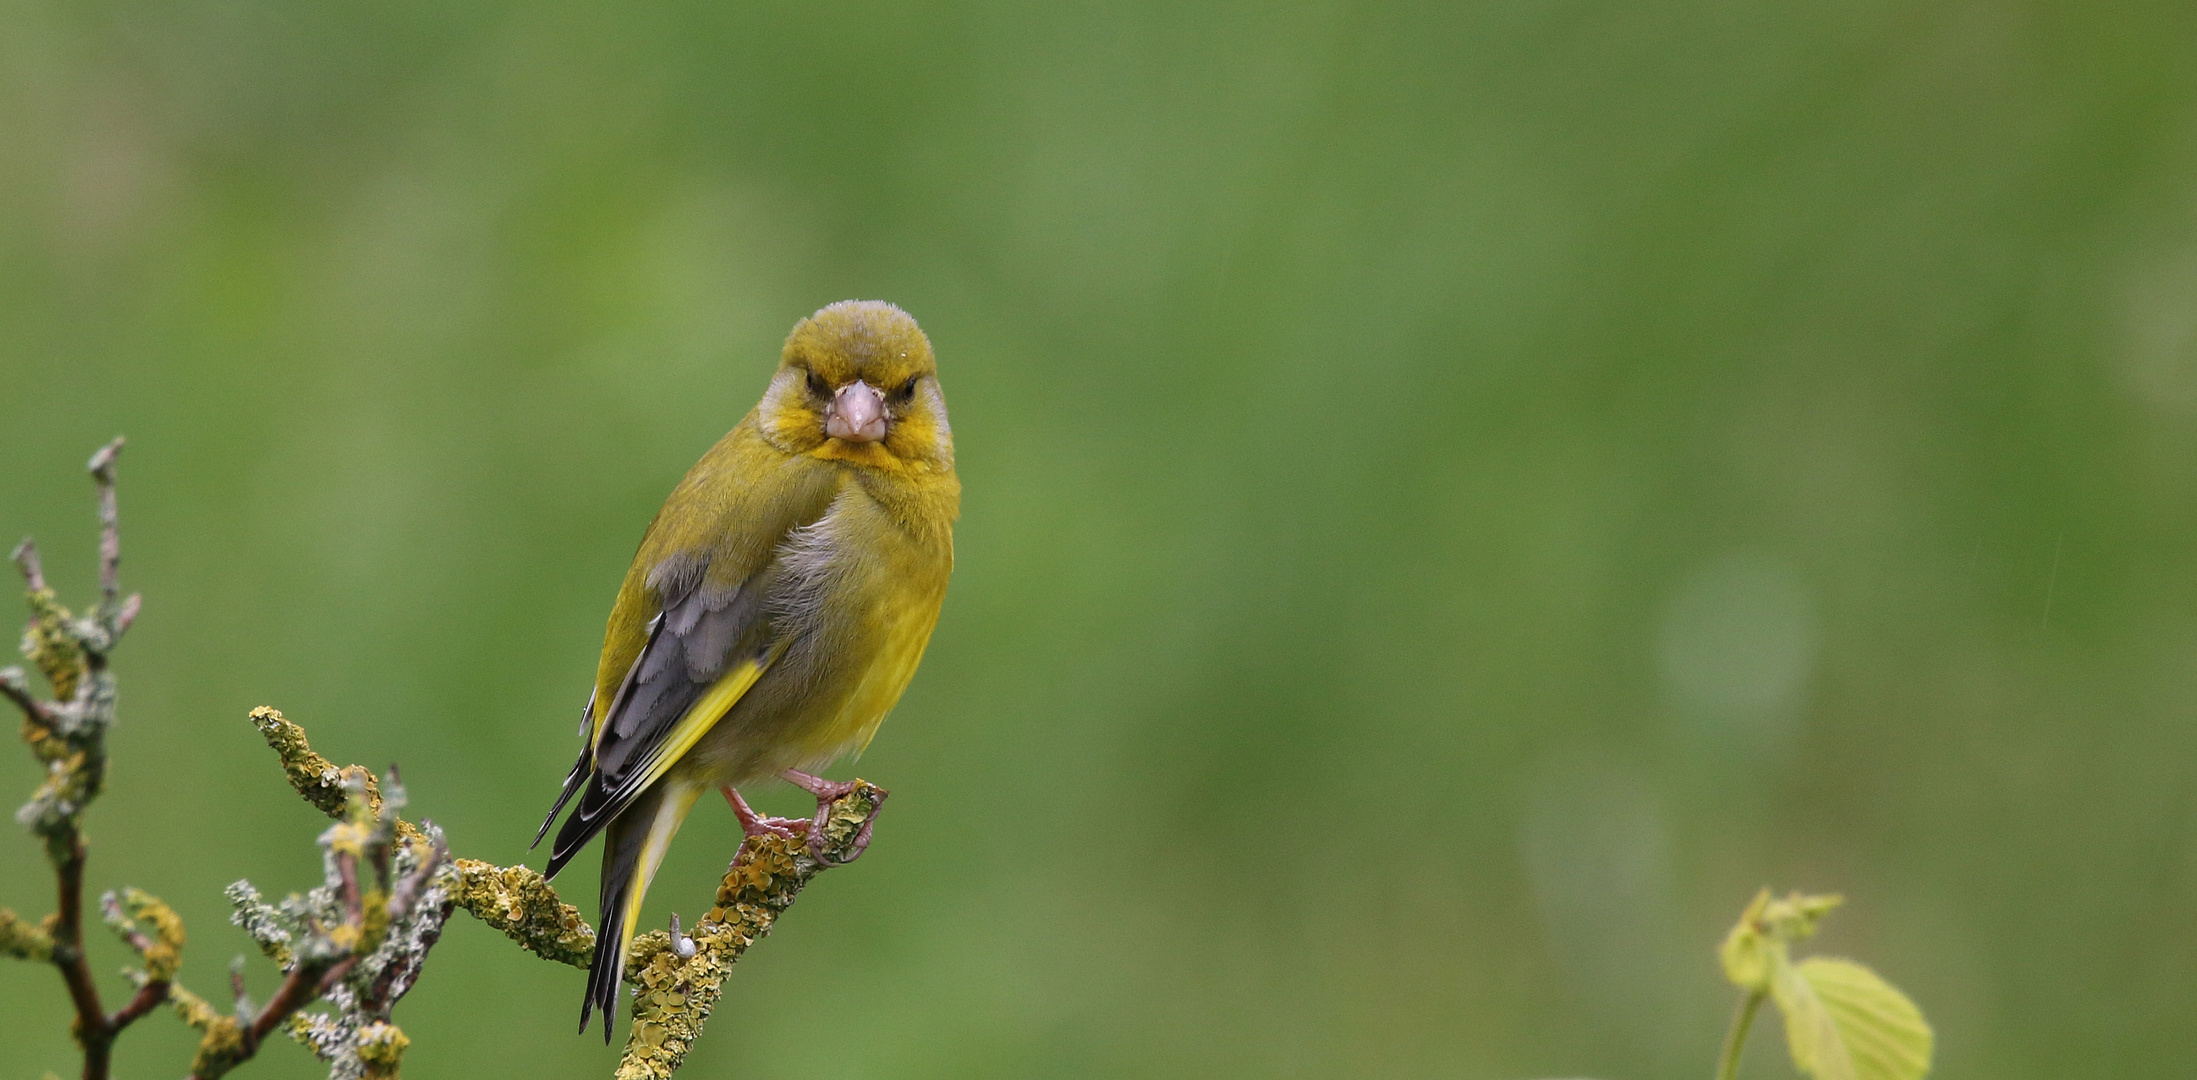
297, 991
237, 993
131, 936
68, 736
26, 560
110, 531
354, 904
20, 694
130, 607
149, 997
162, 951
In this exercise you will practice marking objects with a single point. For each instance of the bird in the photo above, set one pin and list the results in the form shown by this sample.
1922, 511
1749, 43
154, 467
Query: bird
777, 608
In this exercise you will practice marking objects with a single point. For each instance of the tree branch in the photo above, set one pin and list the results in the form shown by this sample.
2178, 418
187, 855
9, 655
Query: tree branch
517, 901
316, 778
68, 736
76, 972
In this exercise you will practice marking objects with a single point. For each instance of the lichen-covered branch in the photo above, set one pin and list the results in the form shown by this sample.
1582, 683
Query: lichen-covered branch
520, 903
357, 941
677, 979
316, 778
68, 737
676, 983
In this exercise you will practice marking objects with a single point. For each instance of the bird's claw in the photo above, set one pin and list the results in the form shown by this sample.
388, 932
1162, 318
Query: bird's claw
827, 792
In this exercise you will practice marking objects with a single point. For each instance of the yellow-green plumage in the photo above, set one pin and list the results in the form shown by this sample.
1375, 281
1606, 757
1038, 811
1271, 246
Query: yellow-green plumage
778, 605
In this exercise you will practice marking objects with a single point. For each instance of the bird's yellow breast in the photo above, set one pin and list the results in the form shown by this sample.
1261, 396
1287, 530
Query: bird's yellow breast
861, 592
886, 586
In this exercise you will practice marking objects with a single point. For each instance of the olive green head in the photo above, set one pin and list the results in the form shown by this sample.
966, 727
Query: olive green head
858, 383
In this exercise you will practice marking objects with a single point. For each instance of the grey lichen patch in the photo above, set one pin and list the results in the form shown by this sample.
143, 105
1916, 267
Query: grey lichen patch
361, 941
266, 925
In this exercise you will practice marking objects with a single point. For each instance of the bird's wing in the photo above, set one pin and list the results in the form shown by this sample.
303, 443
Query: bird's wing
696, 600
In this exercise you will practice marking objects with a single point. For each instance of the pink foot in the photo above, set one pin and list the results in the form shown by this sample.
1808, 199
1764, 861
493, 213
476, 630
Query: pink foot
826, 791
754, 824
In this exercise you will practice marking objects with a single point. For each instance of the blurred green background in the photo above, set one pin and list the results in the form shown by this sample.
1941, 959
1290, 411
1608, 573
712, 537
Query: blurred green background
1458, 497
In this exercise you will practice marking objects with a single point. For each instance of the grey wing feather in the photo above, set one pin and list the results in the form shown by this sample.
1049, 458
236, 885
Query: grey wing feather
690, 646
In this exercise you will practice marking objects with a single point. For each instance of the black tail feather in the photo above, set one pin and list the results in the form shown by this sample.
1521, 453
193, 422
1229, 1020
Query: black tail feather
574, 781
622, 850
603, 974
581, 827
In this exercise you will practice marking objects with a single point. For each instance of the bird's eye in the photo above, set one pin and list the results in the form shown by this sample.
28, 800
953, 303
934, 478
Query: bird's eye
907, 389
817, 385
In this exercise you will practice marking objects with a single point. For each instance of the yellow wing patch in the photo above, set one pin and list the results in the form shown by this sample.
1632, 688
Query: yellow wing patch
700, 717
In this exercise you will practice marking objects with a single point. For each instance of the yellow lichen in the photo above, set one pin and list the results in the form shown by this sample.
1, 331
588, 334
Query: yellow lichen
21, 939
381, 1049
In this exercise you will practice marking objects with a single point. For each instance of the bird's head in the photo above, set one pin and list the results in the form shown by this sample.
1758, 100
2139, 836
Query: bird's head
858, 383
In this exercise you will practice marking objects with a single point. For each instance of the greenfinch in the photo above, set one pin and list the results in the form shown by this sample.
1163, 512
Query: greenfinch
778, 606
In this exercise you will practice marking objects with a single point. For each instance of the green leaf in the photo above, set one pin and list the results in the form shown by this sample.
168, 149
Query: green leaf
1844, 1022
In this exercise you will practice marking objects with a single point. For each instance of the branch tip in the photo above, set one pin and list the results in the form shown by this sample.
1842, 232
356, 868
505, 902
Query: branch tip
101, 465
25, 556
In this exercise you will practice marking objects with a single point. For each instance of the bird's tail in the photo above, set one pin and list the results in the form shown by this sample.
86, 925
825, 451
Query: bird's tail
633, 846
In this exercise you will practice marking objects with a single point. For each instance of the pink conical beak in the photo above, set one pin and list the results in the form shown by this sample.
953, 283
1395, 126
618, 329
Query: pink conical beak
856, 414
